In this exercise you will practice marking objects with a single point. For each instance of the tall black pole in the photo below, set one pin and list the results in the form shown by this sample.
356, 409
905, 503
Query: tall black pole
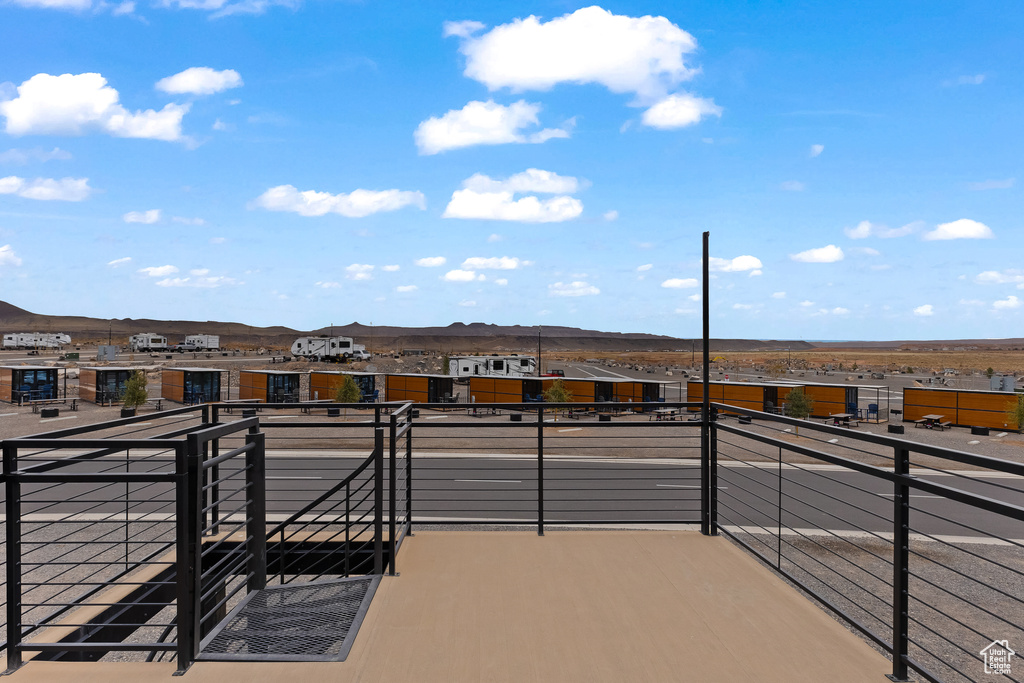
705, 430
538, 350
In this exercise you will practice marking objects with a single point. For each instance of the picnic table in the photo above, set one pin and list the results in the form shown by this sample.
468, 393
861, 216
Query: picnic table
842, 419
932, 422
664, 413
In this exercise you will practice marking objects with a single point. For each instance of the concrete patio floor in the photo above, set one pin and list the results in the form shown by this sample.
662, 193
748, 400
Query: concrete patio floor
610, 606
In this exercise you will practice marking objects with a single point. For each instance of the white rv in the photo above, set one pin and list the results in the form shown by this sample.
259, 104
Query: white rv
323, 348
492, 366
203, 342
35, 340
147, 342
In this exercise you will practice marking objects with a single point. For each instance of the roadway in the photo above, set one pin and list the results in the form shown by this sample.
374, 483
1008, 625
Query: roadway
482, 488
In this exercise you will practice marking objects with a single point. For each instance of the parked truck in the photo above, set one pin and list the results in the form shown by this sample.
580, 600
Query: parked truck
334, 349
147, 341
203, 342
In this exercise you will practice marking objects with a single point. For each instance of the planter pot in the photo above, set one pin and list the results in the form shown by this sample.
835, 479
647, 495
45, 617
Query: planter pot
127, 412
976, 431
415, 412
516, 417
604, 418
895, 429
248, 412
333, 412
50, 412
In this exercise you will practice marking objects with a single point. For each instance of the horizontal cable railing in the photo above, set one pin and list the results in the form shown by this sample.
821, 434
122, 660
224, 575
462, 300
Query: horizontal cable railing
918, 547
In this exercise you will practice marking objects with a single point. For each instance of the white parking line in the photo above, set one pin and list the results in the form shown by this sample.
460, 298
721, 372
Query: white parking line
436, 417
7, 414
69, 417
492, 481
572, 429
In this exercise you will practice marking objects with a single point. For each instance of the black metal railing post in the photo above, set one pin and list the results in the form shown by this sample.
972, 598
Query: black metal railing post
705, 411
378, 500
713, 472
900, 565
256, 511
12, 525
540, 471
215, 474
392, 491
408, 472
188, 510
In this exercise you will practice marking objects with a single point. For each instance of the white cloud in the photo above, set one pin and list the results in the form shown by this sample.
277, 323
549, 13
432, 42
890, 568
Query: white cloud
36, 154
484, 123
327, 285
459, 275
641, 55
839, 310
494, 238
530, 180
680, 283
976, 303
359, 271
644, 267
866, 229
806, 304
391, 269
74, 5
494, 263
828, 254
199, 272
123, 9
8, 257
75, 104
924, 310
431, 261
735, 265
200, 282
47, 189
489, 199
678, 111
406, 288
976, 79
742, 307
220, 125
218, 240
119, 262
610, 215
816, 150
467, 303
200, 80
159, 271
501, 282
778, 295
756, 273
694, 297
1007, 303
356, 204
995, 277
189, 221
223, 8
983, 185
146, 217
792, 186
462, 29
963, 229
572, 289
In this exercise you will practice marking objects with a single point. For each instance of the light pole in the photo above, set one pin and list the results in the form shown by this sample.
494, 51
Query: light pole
539, 357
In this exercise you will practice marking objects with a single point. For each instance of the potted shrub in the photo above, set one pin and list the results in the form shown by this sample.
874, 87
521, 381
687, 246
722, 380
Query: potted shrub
799, 405
558, 393
347, 392
134, 394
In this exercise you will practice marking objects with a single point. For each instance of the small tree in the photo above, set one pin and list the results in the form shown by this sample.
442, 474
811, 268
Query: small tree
1015, 413
348, 391
799, 405
558, 393
134, 393
989, 372
445, 362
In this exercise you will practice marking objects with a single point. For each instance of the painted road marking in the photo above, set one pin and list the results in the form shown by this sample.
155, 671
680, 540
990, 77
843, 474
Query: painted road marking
492, 481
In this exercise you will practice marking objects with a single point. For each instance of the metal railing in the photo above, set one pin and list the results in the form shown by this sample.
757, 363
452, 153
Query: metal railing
919, 554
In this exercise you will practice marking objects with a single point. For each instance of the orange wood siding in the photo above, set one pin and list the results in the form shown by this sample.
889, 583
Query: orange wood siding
252, 385
400, 388
6, 384
324, 385
87, 385
827, 400
582, 390
918, 402
980, 409
172, 385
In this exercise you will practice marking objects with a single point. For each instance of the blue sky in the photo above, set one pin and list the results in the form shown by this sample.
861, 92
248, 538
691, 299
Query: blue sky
308, 162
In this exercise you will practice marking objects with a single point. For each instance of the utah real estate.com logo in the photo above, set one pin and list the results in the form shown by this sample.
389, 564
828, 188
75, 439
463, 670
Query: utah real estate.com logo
997, 657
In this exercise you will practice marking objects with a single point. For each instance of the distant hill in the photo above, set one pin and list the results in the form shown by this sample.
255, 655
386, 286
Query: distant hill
457, 337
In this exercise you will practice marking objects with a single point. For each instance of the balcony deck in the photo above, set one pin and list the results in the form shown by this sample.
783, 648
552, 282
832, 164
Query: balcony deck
570, 606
